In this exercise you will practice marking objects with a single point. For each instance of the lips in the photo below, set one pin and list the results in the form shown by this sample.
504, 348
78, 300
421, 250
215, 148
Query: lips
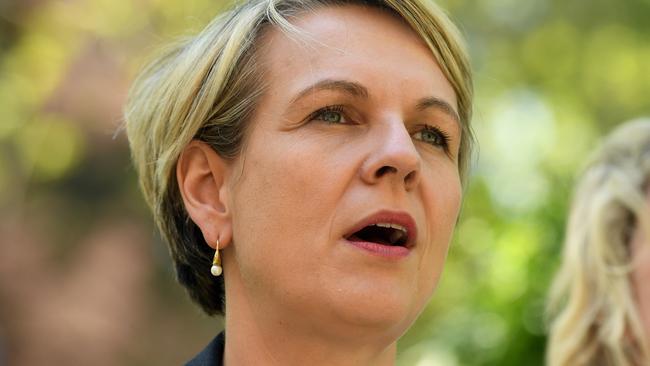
386, 232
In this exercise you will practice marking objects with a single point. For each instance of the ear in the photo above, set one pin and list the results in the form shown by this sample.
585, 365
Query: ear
202, 177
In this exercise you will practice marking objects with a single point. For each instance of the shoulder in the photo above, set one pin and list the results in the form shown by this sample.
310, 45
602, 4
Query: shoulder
212, 354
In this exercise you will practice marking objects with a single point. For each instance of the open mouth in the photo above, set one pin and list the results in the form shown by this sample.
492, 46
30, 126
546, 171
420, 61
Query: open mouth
382, 233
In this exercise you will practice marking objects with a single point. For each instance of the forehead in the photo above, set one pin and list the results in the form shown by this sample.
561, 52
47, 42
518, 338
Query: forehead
365, 44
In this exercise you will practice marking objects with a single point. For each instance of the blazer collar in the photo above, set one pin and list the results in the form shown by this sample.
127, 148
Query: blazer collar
212, 354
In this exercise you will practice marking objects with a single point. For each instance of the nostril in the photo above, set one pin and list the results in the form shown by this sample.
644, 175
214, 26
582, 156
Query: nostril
410, 177
385, 170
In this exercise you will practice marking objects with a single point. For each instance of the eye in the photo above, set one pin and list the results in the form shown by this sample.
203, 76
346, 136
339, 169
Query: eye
434, 136
330, 114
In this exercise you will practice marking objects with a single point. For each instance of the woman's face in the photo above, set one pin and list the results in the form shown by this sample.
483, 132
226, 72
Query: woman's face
641, 273
358, 127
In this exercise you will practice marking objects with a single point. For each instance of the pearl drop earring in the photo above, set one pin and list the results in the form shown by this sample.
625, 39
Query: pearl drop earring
216, 263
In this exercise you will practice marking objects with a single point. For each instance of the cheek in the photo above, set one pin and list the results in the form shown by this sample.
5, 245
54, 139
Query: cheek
282, 209
442, 194
441, 197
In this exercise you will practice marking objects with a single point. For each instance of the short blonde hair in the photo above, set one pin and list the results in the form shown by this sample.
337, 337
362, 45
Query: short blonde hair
594, 317
206, 87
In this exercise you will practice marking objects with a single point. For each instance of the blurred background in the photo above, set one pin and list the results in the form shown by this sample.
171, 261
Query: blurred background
85, 279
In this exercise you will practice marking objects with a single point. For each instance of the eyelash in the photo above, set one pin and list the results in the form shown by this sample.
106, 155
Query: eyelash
331, 108
443, 136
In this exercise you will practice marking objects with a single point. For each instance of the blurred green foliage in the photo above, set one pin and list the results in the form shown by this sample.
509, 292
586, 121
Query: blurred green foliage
551, 76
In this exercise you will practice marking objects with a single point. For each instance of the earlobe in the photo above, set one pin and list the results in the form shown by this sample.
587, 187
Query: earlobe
202, 177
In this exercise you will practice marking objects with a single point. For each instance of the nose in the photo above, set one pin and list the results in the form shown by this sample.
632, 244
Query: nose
393, 158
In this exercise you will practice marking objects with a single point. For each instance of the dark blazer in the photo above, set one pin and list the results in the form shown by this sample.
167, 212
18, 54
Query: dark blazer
212, 354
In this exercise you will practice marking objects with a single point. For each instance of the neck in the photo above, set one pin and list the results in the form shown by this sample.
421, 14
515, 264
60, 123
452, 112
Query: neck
259, 335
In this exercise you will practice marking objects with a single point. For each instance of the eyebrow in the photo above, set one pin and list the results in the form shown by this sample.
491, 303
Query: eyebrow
350, 87
357, 90
433, 102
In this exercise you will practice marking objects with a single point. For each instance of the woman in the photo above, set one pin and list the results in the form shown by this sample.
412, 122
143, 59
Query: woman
304, 160
600, 300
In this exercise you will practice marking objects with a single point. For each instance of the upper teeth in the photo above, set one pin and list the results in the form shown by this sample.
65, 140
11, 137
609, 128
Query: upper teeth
393, 226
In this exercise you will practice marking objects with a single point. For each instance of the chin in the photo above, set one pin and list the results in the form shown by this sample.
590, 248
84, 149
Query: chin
385, 313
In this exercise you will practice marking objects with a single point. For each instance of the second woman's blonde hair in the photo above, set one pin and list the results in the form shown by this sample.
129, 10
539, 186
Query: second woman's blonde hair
594, 315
